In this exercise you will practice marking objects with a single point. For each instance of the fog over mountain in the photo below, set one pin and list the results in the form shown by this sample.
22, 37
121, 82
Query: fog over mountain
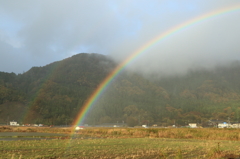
35, 33
56, 93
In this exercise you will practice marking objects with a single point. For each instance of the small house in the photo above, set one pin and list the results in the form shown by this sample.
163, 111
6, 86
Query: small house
215, 123
235, 125
192, 125
14, 123
223, 125
144, 126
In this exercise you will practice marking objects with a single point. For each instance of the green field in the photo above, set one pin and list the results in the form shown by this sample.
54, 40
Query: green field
126, 143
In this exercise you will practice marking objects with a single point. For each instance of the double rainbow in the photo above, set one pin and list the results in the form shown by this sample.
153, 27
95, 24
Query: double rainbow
105, 83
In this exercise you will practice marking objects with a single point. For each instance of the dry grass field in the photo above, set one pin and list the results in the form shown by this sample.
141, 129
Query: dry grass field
118, 143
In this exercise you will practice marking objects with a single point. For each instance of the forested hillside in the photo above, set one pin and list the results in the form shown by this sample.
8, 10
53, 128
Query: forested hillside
54, 94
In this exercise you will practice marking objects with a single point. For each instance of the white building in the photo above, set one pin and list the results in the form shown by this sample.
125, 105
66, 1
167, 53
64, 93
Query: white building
14, 123
236, 125
193, 125
144, 126
223, 125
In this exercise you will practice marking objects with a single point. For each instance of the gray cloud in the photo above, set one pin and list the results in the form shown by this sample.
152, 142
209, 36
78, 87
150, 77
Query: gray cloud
35, 33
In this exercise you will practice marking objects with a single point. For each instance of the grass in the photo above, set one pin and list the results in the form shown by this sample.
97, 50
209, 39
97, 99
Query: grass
119, 148
179, 133
129, 143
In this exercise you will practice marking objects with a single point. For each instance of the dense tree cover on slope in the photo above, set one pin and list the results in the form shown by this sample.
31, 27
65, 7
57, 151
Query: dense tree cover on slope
54, 94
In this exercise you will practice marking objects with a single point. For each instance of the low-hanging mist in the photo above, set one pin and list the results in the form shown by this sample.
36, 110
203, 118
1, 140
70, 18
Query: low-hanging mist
203, 45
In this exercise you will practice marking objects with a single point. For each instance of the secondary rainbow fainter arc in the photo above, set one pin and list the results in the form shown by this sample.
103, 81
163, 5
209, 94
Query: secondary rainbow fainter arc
96, 94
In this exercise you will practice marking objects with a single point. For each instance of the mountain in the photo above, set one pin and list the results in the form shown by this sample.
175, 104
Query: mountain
55, 93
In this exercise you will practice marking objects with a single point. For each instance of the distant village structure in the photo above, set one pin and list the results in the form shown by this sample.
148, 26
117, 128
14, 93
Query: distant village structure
192, 125
236, 125
223, 124
14, 123
211, 123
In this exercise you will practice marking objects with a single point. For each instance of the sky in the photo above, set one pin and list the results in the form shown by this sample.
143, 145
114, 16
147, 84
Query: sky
39, 32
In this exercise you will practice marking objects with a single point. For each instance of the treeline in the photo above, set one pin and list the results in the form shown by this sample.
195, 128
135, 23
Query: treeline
55, 93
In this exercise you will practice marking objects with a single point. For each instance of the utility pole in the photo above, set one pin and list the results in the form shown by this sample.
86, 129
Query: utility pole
237, 119
228, 122
138, 119
8, 120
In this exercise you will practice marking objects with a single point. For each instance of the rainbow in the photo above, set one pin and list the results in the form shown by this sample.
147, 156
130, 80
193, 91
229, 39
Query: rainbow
96, 94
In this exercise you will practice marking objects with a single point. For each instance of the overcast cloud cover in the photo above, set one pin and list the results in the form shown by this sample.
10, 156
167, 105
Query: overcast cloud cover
36, 33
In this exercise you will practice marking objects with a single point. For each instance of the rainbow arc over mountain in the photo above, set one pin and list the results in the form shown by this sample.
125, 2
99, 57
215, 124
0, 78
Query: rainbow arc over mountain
106, 82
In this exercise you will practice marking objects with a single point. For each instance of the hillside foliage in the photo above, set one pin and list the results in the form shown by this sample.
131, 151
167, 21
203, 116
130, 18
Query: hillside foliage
55, 93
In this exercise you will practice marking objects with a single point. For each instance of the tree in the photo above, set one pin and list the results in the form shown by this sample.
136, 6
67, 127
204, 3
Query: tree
131, 121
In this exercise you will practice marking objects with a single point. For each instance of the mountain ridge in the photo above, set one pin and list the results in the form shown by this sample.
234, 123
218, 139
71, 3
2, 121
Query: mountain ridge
54, 94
